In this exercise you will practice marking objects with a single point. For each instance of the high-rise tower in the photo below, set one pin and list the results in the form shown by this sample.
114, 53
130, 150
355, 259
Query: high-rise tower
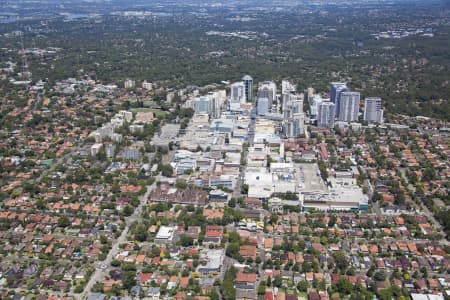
349, 106
248, 83
267, 89
335, 93
325, 116
373, 112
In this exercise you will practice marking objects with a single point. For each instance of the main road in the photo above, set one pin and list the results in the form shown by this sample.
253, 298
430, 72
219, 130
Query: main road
99, 272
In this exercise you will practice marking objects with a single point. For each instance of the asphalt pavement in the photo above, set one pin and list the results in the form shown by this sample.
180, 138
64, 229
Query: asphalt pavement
100, 272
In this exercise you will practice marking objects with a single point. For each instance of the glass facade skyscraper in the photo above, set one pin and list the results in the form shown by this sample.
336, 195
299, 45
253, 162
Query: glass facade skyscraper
248, 83
335, 94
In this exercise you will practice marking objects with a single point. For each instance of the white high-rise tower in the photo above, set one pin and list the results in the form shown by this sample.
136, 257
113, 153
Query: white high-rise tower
373, 112
349, 106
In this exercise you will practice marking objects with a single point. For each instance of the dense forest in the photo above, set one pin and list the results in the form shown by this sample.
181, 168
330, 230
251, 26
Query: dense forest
312, 47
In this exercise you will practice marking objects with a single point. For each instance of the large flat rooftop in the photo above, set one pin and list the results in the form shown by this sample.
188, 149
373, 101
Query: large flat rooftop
309, 177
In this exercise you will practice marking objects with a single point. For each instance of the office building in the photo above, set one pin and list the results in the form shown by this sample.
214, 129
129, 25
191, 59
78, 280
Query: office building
131, 153
128, 84
202, 104
95, 149
293, 116
349, 106
248, 90
165, 235
110, 150
170, 96
214, 261
295, 126
268, 90
237, 92
373, 113
210, 104
219, 99
147, 85
284, 100
325, 116
291, 104
314, 101
126, 115
287, 87
262, 107
335, 93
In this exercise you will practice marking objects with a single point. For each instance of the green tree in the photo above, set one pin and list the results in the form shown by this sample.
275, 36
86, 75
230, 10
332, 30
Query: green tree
97, 287
341, 260
227, 290
380, 276
40, 204
103, 238
185, 240
273, 218
128, 210
214, 295
129, 279
166, 170
344, 286
244, 188
332, 221
302, 286
141, 233
277, 281
63, 221
261, 289
323, 170
232, 250
301, 245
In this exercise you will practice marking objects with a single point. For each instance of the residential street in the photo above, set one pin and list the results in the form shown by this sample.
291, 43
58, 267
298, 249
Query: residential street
99, 272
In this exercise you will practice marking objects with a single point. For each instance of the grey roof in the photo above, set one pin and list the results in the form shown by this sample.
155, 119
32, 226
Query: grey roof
153, 291
96, 296
244, 293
